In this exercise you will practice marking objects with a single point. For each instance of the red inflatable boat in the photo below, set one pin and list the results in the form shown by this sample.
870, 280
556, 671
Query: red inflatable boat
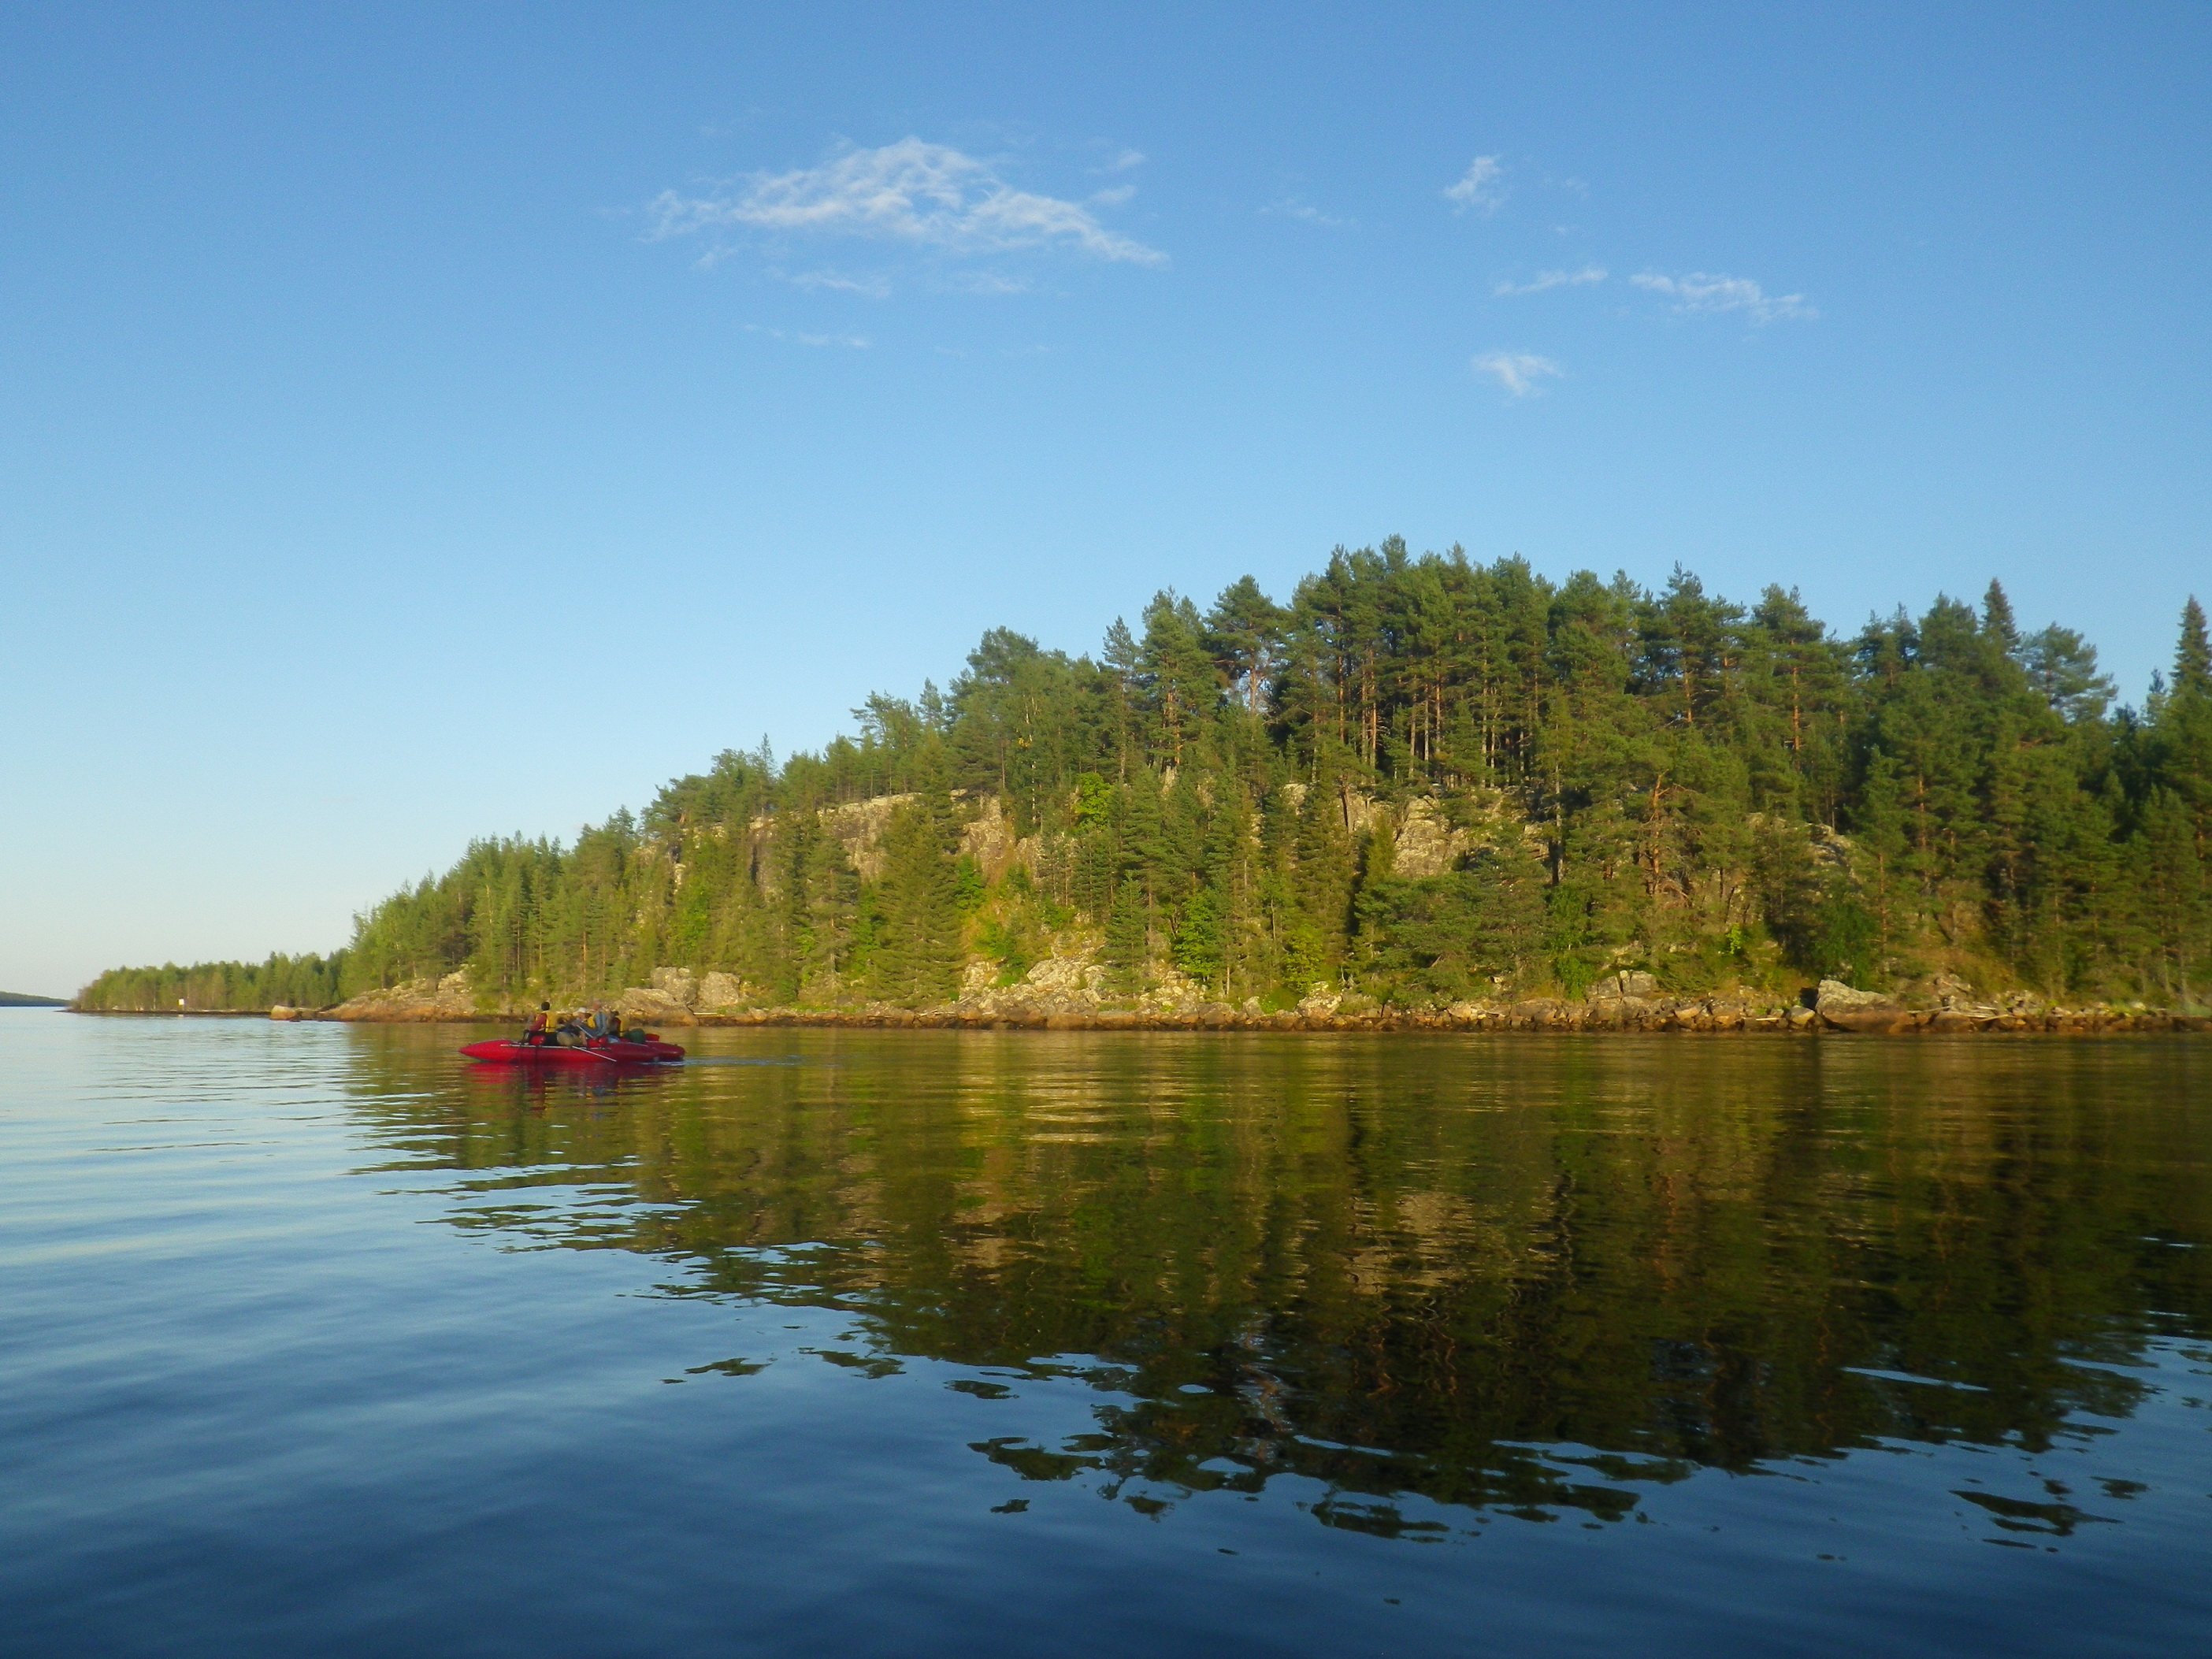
611, 1051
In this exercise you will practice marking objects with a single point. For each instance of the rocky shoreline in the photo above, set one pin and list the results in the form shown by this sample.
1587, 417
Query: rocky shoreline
1062, 994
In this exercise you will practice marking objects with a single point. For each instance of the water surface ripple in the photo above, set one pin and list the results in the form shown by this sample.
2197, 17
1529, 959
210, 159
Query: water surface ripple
317, 1341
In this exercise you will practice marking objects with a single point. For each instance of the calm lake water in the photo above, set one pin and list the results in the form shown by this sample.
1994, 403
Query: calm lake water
317, 1339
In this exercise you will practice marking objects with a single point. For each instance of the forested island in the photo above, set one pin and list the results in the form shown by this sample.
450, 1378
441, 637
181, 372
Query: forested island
1424, 788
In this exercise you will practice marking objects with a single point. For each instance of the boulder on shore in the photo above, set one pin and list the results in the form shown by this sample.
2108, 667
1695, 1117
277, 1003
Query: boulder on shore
1069, 987
1844, 1009
721, 990
1626, 999
670, 999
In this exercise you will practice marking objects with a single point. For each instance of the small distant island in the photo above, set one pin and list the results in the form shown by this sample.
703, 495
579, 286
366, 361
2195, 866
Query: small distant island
1425, 792
18, 999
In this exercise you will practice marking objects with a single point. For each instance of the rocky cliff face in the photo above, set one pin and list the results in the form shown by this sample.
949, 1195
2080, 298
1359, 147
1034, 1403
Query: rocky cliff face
859, 825
989, 839
987, 834
1424, 839
1425, 843
1069, 987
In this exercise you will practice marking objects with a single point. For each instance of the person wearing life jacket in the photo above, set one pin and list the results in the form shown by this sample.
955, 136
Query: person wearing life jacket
541, 1026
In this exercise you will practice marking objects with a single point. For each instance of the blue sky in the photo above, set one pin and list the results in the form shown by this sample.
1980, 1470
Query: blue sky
423, 422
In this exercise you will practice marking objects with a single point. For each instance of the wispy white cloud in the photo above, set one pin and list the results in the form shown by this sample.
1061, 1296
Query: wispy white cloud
1518, 372
986, 283
925, 194
850, 342
1549, 279
1481, 188
1705, 293
836, 282
1127, 160
1304, 212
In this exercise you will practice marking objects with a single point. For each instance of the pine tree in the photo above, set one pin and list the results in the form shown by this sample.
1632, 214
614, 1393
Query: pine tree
1243, 634
1178, 679
918, 953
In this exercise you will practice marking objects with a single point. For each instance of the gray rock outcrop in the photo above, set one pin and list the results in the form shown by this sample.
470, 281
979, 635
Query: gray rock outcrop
1427, 843
859, 825
988, 838
671, 998
449, 997
1063, 986
1627, 985
719, 990
1320, 1002
1844, 1009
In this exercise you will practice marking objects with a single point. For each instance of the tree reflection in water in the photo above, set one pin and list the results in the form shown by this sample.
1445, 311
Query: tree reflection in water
1523, 1275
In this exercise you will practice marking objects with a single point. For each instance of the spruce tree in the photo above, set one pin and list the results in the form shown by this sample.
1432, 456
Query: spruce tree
918, 953
1128, 952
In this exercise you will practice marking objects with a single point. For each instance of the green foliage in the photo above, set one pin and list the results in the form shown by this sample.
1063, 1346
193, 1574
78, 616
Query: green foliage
916, 960
1729, 794
1453, 935
967, 885
1200, 940
308, 982
1127, 940
1094, 801
1845, 938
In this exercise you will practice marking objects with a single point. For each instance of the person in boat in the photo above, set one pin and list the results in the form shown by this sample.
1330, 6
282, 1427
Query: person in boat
556, 1026
601, 1026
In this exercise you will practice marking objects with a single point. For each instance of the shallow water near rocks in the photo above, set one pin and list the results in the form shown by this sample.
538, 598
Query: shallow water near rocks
320, 1339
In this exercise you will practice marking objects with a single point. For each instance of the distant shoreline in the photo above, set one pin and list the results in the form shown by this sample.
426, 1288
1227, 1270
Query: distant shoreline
1541, 1017
176, 1014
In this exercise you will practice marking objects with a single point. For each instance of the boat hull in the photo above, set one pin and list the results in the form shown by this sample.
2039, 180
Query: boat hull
501, 1052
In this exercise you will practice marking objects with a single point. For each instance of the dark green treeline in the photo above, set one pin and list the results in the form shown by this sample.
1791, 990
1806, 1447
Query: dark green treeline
308, 982
1722, 794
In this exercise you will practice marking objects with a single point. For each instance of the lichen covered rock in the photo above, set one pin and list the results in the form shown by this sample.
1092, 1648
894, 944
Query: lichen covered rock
1844, 1009
719, 990
449, 997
